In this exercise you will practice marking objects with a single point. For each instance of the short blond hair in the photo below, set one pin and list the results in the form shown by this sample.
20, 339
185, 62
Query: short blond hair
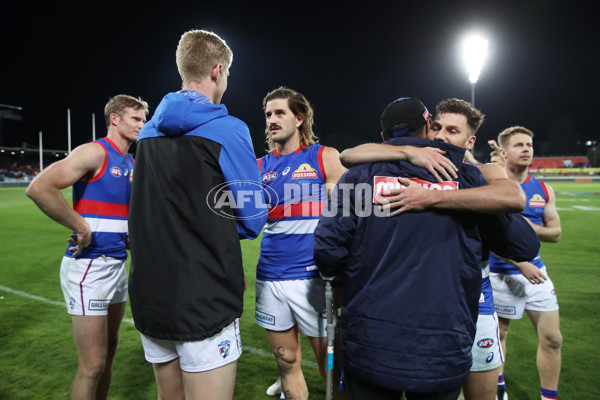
118, 104
505, 135
198, 52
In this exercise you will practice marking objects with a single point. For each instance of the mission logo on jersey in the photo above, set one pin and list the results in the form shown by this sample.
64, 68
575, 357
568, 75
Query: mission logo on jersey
537, 201
305, 171
389, 182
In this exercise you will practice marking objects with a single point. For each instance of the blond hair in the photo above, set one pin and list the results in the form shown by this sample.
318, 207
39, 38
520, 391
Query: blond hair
118, 104
198, 52
505, 135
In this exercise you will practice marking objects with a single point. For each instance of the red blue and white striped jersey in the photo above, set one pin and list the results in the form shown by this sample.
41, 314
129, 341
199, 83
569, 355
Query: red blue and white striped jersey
294, 189
103, 202
536, 194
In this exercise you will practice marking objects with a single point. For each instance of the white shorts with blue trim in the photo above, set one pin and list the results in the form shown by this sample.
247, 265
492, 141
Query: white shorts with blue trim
282, 304
197, 356
487, 351
513, 294
90, 285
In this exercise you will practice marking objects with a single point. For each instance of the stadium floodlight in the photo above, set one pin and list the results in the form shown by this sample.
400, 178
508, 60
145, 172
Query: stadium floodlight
475, 52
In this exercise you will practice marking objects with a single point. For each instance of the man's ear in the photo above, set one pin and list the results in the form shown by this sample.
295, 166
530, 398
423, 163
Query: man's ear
471, 142
215, 72
114, 118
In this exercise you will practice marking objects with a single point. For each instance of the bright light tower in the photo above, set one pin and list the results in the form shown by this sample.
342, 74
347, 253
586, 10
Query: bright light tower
475, 52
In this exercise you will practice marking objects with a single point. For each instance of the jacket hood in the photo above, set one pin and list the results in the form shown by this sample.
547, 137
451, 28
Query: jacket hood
176, 115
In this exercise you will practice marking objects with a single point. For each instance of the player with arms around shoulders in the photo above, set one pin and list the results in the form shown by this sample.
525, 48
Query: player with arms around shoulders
92, 272
349, 242
456, 122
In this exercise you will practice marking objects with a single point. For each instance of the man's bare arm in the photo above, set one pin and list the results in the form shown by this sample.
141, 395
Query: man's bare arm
430, 158
333, 168
500, 196
550, 230
44, 190
533, 274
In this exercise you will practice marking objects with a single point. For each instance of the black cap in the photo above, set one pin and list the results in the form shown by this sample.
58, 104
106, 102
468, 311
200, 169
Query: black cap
409, 113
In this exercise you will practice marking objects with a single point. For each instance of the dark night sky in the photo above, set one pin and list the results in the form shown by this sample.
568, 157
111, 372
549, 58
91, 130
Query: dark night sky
350, 61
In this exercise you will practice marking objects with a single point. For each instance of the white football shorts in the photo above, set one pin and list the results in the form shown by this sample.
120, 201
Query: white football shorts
282, 304
487, 351
513, 294
90, 285
197, 356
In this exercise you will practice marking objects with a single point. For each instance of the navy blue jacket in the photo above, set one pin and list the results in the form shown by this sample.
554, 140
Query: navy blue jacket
411, 283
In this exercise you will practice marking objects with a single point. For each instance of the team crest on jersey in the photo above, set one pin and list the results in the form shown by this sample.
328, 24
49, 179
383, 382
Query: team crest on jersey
269, 176
116, 172
389, 182
537, 201
224, 348
131, 176
305, 171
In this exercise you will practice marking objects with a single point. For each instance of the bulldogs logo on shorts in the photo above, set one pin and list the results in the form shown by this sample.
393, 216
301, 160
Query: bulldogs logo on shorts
224, 348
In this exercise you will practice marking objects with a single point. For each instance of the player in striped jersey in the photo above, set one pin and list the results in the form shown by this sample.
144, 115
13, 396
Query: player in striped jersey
93, 275
525, 286
290, 294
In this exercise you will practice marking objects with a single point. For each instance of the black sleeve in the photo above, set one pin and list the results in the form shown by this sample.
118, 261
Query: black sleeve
509, 236
335, 230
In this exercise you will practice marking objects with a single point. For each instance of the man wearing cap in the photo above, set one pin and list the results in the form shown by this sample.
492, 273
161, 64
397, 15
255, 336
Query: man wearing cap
409, 309
456, 122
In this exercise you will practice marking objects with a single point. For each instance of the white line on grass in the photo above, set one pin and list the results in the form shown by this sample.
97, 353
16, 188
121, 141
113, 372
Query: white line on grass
252, 350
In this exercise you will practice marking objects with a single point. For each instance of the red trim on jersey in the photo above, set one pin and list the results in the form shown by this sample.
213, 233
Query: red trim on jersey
87, 206
298, 150
81, 286
113, 144
259, 161
303, 209
545, 191
527, 179
321, 163
99, 174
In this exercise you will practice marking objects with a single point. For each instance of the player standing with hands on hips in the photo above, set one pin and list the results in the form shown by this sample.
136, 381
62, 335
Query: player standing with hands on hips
92, 272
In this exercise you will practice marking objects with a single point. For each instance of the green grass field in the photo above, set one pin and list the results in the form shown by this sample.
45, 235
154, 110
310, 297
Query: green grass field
38, 357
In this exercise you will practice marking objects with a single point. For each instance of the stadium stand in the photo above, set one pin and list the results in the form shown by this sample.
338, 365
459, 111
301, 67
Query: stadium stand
560, 162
